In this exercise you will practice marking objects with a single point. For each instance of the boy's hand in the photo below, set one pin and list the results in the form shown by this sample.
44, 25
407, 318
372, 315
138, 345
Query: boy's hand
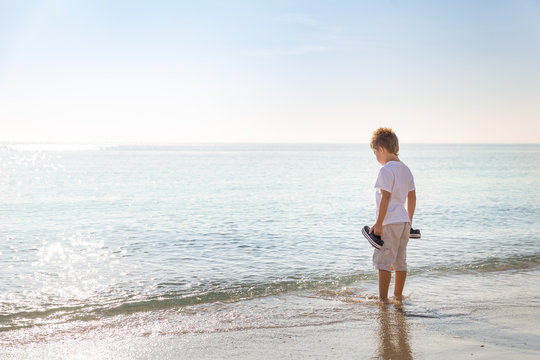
376, 229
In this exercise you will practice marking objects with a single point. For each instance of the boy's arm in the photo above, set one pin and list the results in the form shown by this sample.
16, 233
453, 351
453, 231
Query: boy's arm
383, 207
411, 203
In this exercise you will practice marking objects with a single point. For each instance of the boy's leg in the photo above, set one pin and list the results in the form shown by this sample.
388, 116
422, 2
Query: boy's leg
385, 257
401, 262
384, 284
399, 284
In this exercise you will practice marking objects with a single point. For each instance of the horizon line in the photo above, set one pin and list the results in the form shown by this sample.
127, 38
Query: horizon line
144, 143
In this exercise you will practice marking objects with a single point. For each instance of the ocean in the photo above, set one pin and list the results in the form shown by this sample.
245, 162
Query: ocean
205, 238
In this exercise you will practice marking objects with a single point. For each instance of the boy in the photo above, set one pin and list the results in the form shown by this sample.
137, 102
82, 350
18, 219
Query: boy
396, 202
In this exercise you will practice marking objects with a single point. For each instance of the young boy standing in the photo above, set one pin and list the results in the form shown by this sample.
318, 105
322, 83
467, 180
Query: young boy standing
396, 202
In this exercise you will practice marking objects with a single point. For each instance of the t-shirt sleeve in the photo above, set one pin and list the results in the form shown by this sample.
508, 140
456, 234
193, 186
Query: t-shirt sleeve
411, 184
385, 180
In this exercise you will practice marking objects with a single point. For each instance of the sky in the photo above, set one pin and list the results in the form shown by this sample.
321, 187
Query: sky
269, 71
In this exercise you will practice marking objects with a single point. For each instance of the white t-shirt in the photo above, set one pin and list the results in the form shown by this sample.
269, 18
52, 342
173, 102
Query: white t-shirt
396, 178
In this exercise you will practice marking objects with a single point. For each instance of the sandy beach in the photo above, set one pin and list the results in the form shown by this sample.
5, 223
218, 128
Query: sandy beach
490, 315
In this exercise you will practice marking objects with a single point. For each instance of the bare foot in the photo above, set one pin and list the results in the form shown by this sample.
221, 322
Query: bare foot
384, 300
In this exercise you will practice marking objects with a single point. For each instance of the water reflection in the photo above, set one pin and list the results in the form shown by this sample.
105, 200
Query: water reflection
393, 334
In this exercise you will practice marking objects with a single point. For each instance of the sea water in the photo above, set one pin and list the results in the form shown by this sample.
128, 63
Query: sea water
109, 235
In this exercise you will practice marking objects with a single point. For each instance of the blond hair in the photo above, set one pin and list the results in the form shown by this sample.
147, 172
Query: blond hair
386, 138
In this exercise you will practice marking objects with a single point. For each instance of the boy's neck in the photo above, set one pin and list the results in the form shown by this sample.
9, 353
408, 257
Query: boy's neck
390, 157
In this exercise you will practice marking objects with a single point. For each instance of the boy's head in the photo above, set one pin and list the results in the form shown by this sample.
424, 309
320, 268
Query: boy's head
385, 138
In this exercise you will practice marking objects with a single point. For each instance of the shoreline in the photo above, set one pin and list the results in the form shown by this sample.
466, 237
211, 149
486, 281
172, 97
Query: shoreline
442, 318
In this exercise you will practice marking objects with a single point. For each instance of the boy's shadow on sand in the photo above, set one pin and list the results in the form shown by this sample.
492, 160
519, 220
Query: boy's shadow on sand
393, 334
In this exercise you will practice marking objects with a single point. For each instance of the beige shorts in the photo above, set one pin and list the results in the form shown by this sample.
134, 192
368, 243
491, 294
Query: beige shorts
393, 254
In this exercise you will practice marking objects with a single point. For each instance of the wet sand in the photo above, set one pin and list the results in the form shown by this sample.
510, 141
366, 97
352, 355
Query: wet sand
494, 315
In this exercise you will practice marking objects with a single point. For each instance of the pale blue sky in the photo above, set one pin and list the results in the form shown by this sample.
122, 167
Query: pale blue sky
269, 71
